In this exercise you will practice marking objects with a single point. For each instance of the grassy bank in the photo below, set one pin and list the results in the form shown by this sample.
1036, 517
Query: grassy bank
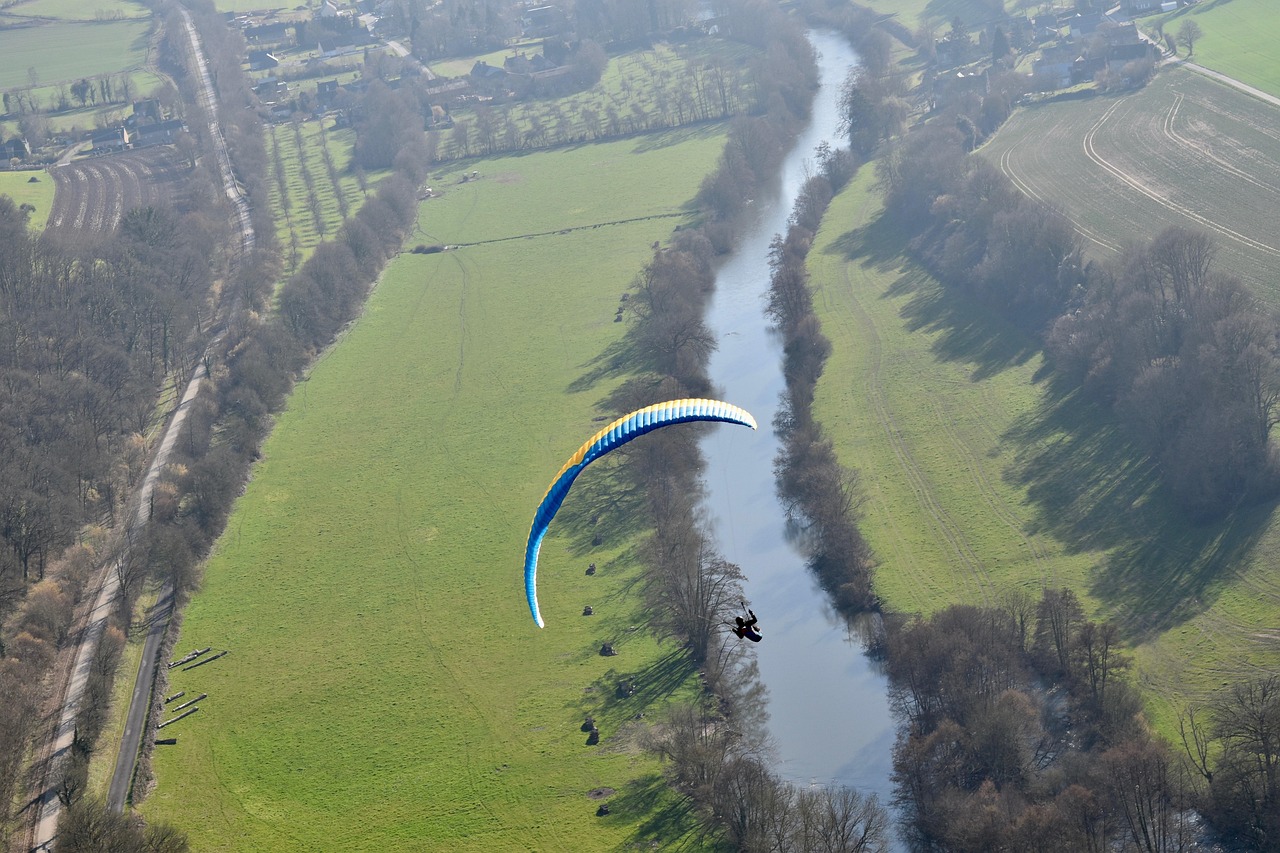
385, 686
980, 476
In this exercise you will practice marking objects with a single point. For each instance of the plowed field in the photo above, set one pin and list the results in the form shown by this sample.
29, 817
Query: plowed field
93, 194
1183, 151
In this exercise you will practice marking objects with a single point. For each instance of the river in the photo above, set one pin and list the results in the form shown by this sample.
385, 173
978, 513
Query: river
828, 709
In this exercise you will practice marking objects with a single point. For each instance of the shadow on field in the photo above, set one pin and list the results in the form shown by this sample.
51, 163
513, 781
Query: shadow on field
619, 695
619, 359
676, 136
669, 821
1093, 489
602, 510
1088, 485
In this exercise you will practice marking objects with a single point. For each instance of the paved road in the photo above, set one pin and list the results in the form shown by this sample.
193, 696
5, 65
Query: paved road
1230, 81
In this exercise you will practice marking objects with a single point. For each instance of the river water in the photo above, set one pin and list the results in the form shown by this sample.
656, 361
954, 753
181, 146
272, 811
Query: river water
828, 710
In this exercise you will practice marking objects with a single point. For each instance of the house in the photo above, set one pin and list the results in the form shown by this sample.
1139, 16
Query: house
160, 133
328, 9
16, 148
1122, 33
1140, 7
486, 76
260, 60
543, 21
1052, 70
522, 64
268, 87
147, 110
1083, 26
111, 139
266, 33
326, 91
955, 84
1120, 55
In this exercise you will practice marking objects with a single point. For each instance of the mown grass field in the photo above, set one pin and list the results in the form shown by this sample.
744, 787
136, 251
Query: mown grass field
299, 226
1239, 38
386, 688
18, 186
70, 51
980, 477
1183, 151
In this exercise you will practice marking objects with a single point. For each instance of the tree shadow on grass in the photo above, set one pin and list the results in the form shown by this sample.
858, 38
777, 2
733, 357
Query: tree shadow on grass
665, 820
1088, 484
1093, 489
964, 330
620, 694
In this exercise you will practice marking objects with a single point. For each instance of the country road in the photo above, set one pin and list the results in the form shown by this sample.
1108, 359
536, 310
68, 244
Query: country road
48, 806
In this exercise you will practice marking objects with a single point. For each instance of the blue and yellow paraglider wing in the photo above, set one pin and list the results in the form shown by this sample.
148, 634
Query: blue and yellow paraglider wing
610, 438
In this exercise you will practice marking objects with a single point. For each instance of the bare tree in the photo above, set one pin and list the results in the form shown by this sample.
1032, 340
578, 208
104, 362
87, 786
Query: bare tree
1188, 34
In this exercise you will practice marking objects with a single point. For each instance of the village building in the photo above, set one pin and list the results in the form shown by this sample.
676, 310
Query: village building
111, 139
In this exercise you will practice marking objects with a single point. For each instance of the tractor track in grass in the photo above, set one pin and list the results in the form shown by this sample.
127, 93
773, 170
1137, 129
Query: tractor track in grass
1024, 186
1205, 151
946, 529
1090, 149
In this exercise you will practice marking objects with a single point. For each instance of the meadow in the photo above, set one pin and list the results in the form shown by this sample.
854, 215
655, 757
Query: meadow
980, 476
1239, 38
385, 686
78, 10
1183, 151
70, 51
19, 187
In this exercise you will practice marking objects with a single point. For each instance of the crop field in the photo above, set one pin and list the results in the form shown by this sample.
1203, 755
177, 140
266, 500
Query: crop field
980, 478
19, 187
307, 203
1239, 38
1183, 151
70, 51
94, 193
385, 687
639, 90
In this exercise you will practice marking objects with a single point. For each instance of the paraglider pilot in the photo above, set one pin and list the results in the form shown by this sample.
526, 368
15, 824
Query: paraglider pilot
746, 628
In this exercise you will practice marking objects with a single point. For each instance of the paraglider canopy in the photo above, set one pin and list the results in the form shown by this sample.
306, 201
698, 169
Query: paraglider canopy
613, 436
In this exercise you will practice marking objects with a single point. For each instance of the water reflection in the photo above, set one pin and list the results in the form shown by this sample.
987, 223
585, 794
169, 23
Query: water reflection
827, 700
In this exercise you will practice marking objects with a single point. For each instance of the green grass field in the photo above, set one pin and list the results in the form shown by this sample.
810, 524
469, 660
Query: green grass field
18, 186
980, 477
1239, 38
70, 51
1183, 151
385, 687
78, 10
